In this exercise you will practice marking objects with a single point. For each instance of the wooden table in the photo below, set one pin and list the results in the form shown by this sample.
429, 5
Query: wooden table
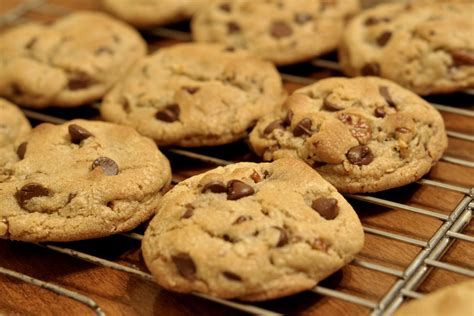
121, 293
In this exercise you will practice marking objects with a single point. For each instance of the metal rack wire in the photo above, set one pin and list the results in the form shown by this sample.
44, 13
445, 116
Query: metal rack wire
407, 280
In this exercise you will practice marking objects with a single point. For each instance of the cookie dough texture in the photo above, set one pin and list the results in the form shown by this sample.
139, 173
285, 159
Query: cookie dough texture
195, 94
251, 231
454, 300
283, 32
147, 13
427, 48
13, 129
363, 134
81, 180
68, 63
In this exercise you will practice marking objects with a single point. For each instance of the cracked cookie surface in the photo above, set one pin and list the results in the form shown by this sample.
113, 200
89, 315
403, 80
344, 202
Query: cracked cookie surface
363, 134
251, 231
453, 300
13, 129
427, 48
195, 95
81, 180
147, 13
71, 62
283, 32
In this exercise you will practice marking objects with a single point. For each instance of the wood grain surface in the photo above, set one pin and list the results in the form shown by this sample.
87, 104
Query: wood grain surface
119, 293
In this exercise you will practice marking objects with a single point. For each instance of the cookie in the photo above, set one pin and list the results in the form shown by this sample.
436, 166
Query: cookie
284, 32
13, 129
364, 134
81, 180
195, 95
454, 300
251, 231
148, 13
71, 62
413, 45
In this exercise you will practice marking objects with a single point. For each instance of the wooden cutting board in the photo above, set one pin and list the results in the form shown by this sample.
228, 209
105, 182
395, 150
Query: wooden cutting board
120, 293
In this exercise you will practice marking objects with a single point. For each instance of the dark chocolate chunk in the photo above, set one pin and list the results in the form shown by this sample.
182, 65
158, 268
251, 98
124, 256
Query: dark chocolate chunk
283, 239
185, 265
379, 111
233, 27
108, 166
226, 7
462, 58
371, 21
303, 127
383, 90
360, 155
326, 207
370, 69
189, 211
169, 114
231, 276
237, 189
383, 38
214, 187
29, 191
78, 133
280, 29
21, 150
79, 81
277, 124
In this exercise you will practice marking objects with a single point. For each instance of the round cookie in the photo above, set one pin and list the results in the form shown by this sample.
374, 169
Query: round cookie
284, 32
68, 63
251, 231
13, 129
454, 300
81, 180
195, 95
147, 13
364, 134
427, 48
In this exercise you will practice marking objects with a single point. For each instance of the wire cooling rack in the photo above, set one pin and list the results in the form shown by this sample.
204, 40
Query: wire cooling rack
407, 280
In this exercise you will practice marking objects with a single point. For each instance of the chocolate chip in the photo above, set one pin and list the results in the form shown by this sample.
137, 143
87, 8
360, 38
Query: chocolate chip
289, 118
103, 50
303, 127
109, 167
29, 191
283, 239
215, 187
326, 207
225, 7
329, 106
237, 189
462, 57
280, 29
78, 133
79, 81
256, 177
302, 17
229, 49
360, 155
241, 219
21, 150
185, 265
232, 276
383, 91
189, 211
371, 21
232, 27
383, 38
277, 124
191, 90
169, 114
31, 43
370, 69
402, 130
379, 111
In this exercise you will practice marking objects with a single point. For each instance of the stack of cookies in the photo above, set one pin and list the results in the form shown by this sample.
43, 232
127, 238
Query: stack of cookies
252, 231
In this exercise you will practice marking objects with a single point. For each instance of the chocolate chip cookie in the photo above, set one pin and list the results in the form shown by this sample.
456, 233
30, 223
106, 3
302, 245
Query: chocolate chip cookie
13, 129
195, 94
80, 180
251, 231
427, 48
281, 31
363, 134
147, 13
68, 63
454, 300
